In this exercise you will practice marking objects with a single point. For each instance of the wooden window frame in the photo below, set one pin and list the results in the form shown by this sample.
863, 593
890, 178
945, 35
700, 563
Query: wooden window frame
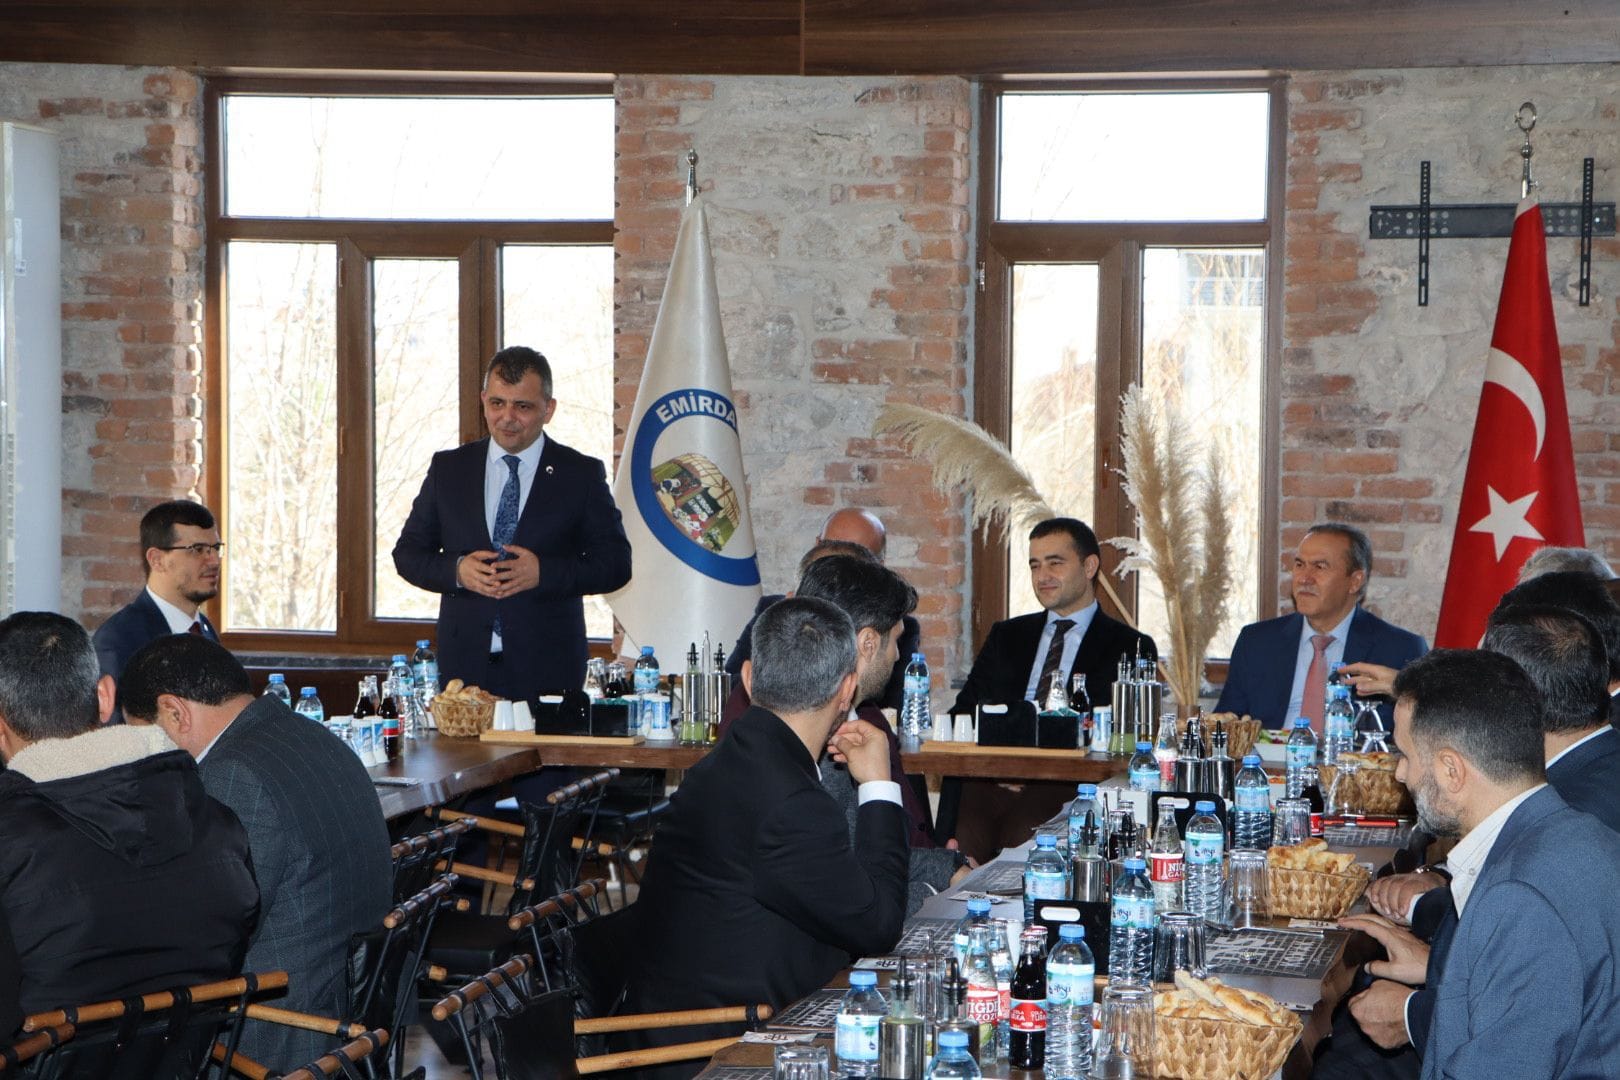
475, 245
1117, 249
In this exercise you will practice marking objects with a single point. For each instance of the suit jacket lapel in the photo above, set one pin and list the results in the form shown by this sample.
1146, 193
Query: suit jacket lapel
1278, 690
540, 491
469, 491
1358, 640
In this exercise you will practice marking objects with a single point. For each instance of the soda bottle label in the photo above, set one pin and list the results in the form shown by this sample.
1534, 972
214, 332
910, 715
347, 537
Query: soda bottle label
983, 1004
1167, 773
1027, 1016
1166, 867
1046, 885
1203, 850
1256, 800
1070, 984
857, 1037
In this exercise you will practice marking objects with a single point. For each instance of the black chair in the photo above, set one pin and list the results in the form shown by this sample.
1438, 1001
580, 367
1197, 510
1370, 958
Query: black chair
415, 857
168, 1035
631, 809
531, 1031
385, 965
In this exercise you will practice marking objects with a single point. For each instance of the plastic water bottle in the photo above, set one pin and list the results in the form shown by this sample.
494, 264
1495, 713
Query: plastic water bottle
1300, 751
953, 1062
1130, 933
1338, 725
1206, 844
1070, 984
309, 705
978, 914
1144, 770
400, 670
1251, 806
1167, 860
278, 689
1085, 801
1046, 876
426, 666
645, 681
916, 712
859, 1016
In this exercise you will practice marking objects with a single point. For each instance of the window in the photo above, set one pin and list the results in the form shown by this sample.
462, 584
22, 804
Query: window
1127, 236
368, 253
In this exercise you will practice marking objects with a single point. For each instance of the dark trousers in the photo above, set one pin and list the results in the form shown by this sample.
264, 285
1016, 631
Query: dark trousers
992, 817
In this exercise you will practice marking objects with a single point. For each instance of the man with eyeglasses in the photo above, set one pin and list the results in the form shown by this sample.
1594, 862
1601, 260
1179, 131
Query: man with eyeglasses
180, 555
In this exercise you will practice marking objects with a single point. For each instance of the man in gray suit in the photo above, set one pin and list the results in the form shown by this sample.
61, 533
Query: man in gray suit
315, 828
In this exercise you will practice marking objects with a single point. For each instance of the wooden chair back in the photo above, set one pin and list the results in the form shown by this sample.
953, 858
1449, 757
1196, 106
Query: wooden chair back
415, 857
549, 857
159, 1036
354, 1060
386, 963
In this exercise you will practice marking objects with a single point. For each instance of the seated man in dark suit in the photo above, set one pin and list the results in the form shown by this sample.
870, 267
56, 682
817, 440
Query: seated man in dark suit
1280, 666
1564, 657
753, 890
849, 531
1017, 661
180, 556
1523, 983
118, 874
315, 828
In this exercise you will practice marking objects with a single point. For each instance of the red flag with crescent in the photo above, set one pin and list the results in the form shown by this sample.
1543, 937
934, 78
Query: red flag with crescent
1519, 492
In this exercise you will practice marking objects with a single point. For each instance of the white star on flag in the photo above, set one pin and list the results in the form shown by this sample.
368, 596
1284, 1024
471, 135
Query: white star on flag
1507, 520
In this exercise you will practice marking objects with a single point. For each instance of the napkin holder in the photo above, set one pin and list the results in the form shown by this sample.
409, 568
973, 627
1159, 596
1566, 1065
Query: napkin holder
1011, 724
568, 713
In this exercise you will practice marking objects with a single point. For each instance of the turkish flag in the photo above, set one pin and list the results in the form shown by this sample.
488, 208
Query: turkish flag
1519, 493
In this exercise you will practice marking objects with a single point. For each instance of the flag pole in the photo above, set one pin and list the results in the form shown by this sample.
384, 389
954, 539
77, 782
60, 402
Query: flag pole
691, 176
1526, 125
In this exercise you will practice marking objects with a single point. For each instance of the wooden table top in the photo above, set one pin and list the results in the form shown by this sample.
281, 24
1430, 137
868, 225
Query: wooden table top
441, 768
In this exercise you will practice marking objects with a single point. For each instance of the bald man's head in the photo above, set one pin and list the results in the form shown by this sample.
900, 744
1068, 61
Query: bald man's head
856, 526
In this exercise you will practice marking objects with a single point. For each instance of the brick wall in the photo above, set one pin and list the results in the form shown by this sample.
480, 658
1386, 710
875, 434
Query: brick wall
131, 290
838, 211
1379, 394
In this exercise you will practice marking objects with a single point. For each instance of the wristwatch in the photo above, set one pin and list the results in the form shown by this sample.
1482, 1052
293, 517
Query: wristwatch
1436, 869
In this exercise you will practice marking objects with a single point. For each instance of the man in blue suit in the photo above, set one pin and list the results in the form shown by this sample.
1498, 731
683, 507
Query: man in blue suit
180, 556
513, 530
1280, 666
1523, 985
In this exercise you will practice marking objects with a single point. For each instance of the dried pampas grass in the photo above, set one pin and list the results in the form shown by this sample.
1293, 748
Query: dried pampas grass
1185, 533
963, 454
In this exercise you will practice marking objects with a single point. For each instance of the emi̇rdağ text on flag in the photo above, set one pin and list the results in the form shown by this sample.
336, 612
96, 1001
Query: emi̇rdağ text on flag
1519, 491
680, 483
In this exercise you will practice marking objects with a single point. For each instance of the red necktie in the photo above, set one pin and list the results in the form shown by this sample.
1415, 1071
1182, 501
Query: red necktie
196, 628
1315, 699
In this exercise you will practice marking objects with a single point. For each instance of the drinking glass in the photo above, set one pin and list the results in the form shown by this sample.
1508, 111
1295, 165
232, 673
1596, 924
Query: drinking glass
1178, 946
1344, 795
801, 1063
1125, 1045
1293, 822
1250, 892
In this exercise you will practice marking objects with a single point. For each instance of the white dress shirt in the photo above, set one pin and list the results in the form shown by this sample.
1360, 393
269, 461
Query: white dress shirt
871, 790
179, 621
1071, 645
1467, 859
495, 474
1333, 654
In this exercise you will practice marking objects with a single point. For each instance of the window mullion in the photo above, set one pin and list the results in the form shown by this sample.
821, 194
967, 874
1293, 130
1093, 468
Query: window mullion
355, 433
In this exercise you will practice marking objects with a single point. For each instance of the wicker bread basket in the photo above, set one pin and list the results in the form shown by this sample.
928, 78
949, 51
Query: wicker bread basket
463, 719
1376, 789
1185, 1048
1308, 894
1241, 733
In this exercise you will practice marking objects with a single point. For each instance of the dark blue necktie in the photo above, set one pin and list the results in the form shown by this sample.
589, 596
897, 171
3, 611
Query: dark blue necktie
506, 515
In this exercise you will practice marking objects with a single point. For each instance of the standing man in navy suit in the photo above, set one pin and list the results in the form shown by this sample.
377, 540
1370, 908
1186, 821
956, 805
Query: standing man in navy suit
180, 556
1280, 666
513, 530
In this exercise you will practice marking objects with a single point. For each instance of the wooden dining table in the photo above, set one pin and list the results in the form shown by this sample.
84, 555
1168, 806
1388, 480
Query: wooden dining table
434, 769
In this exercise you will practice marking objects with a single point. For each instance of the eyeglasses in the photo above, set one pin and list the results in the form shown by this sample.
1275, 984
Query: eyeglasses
199, 550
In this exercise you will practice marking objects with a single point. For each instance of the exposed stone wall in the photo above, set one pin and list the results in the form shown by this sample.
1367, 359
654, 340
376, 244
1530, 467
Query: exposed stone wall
1379, 394
131, 305
838, 212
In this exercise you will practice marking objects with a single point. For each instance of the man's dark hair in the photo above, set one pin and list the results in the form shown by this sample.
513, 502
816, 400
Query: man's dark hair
802, 649
157, 525
1577, 591
873, 596
516, 361
1480, 704
48, 677
1563, 655
1085, 541
188, 666
1360, 550
824, 548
